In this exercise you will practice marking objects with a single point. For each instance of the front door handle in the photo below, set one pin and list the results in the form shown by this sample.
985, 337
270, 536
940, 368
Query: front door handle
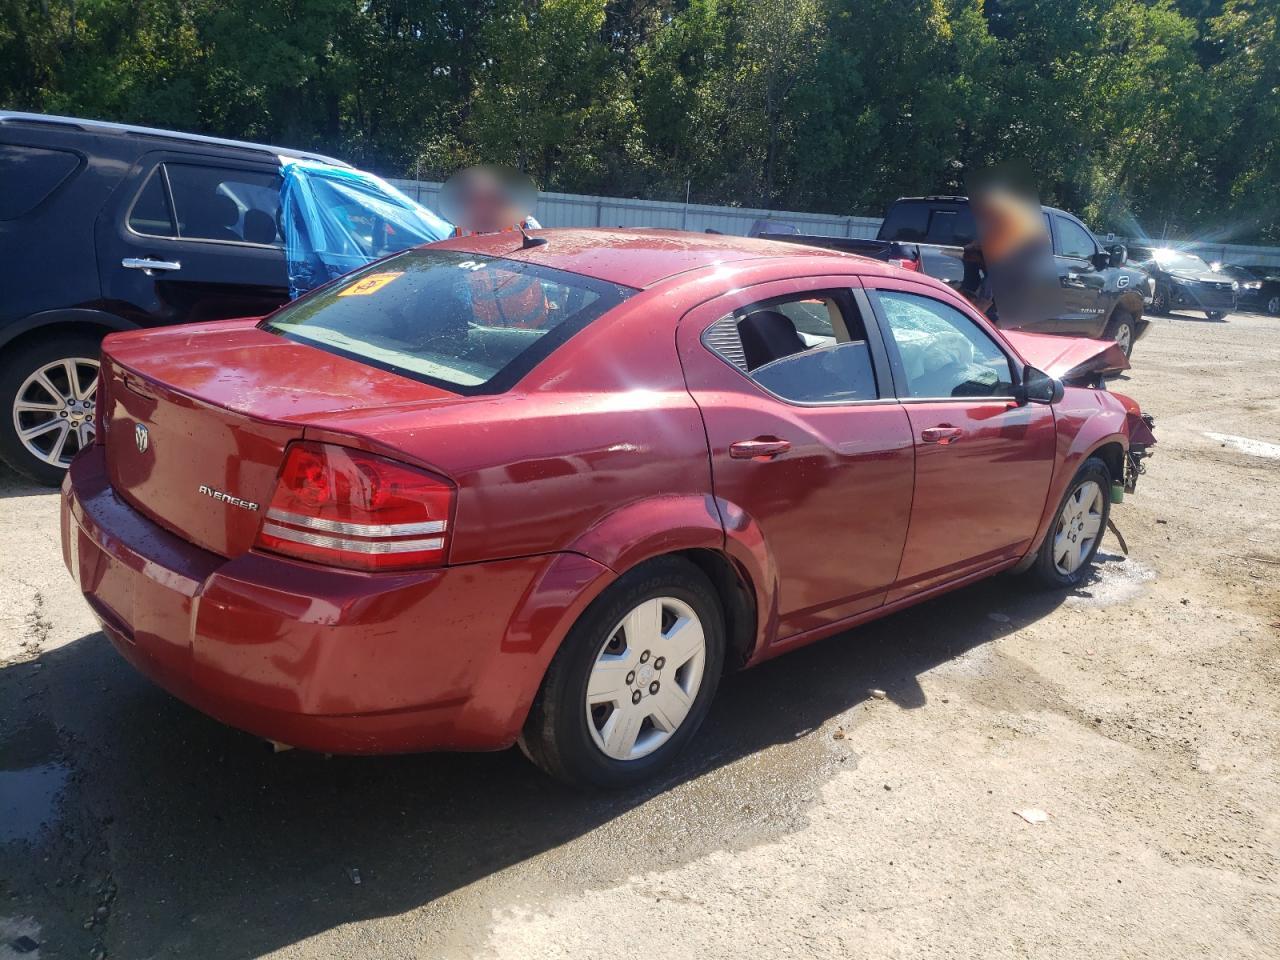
942, 435
148, 265
761, 448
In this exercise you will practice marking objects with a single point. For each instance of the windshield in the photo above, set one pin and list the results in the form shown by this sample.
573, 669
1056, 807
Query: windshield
1177, 260
466, 323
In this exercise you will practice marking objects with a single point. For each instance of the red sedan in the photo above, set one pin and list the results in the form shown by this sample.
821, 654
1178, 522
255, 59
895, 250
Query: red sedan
549, 490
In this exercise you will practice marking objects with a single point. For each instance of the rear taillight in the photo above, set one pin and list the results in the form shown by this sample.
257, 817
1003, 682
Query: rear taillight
906, 263
347, 508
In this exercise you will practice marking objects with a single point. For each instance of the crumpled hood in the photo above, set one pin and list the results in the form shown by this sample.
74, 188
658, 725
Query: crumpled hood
1069, 359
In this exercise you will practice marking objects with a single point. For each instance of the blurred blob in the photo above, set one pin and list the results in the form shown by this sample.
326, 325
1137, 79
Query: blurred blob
1009, 271
486, 199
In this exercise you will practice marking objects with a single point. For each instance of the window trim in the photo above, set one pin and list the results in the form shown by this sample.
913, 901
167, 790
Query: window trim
895, 358
850, 300
162, 165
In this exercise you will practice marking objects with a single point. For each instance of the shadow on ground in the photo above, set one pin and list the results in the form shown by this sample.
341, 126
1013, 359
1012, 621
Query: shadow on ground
214, 847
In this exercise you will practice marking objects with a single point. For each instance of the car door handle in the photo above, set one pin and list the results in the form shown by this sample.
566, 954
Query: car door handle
1073, 280
149, 265
761, 448
943, 435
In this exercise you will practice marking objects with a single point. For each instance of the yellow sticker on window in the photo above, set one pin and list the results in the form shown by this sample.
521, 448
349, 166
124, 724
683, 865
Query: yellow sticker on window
371, 283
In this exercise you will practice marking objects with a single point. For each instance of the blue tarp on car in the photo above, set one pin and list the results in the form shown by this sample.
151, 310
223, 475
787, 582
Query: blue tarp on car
335, 219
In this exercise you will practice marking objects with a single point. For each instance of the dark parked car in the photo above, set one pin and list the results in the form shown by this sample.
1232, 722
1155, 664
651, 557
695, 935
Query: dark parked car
1104, 298
1185, 281
412, 529
109, 227
1259, 287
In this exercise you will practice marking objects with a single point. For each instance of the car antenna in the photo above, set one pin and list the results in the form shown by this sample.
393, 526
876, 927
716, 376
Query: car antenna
529, 242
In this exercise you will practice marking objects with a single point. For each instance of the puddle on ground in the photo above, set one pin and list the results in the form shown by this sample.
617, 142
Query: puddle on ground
33, 774
1254, 448
1114, 579
29, 800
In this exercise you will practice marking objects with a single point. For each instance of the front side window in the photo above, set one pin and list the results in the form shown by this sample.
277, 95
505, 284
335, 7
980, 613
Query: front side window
944, 354
1074, 240
469, 324
223, 203
809, 349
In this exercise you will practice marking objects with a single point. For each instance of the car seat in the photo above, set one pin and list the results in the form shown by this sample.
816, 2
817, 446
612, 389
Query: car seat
766, 336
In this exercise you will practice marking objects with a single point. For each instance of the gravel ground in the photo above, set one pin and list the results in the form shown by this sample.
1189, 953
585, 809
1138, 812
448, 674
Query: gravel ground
1140, 714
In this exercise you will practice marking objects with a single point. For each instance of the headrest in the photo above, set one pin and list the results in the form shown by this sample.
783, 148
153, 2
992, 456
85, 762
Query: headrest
259, 227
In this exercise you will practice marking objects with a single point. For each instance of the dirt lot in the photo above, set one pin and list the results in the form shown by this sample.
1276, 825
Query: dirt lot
1142, 713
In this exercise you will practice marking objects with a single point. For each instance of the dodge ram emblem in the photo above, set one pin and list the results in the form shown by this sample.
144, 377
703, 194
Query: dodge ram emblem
141, 437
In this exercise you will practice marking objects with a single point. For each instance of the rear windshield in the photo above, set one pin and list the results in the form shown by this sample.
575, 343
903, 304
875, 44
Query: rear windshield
469, 324
946, 224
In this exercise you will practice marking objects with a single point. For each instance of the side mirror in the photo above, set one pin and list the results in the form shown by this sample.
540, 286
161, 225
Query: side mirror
1038, 387
1119, 254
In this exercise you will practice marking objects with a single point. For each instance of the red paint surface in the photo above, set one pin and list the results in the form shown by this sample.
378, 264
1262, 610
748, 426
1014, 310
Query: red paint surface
613, 450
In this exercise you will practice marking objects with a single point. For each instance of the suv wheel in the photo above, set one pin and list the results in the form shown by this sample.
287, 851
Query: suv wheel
48, 390
633, 680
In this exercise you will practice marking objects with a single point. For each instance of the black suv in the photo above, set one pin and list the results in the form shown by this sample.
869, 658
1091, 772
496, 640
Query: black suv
110, 227
1185, 281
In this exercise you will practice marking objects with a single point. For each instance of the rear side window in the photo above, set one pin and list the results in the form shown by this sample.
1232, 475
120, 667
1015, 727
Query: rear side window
196, 202
810, 349
30, 175
472, 325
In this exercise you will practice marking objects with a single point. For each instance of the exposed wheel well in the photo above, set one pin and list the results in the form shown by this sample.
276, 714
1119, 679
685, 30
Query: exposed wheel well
738, 599
1112, 454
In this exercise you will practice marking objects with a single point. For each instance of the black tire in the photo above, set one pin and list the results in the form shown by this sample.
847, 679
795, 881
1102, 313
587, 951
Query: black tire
1123, 329
556, 736
1215, 314
15, 368
1160, 302
1273, 305
1045, 570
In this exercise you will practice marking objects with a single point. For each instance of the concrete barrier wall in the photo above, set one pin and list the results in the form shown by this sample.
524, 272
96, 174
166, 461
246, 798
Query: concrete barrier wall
577, 210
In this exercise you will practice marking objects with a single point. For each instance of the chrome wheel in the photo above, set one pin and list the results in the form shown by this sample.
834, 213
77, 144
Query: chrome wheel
645, 678
1124, 337
53, 409
1078, 529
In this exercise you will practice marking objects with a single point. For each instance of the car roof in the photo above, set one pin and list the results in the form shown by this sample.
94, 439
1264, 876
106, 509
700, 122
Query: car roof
128, 129
640, 257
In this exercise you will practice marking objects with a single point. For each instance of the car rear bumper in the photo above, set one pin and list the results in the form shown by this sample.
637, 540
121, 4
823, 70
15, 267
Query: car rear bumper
329, 660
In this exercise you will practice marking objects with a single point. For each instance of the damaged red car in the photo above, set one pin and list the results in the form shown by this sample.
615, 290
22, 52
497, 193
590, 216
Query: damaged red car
549, 489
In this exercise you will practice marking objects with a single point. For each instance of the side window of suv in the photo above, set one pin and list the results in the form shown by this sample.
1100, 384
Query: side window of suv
944, 354
194, 202
807, 349
1074, 240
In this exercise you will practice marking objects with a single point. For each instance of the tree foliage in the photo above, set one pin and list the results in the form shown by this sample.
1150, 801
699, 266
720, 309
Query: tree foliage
1145, 115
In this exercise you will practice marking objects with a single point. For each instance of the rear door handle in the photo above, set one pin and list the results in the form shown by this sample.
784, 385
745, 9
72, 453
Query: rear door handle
761, 448
148, 265
943, 435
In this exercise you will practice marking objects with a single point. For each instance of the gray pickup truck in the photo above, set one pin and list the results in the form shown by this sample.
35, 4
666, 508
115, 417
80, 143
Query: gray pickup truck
1104, 298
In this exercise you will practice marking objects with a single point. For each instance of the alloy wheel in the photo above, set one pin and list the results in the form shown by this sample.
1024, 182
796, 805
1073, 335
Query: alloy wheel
1273, 305
646, 678
53, 409
1079, 526
1124, 337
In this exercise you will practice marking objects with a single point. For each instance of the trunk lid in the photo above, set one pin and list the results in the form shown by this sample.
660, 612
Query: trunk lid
196, 418
1073, 360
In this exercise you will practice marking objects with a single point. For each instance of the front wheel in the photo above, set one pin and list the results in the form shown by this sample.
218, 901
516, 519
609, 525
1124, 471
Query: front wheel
1123, 331
1273, 306
1160, 301
633, 680
48, 390
1215, 314
1073, 539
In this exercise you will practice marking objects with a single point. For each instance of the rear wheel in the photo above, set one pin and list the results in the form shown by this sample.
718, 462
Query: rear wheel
1077, 530
633, 680
1273, 306
48, 390
1215, 314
